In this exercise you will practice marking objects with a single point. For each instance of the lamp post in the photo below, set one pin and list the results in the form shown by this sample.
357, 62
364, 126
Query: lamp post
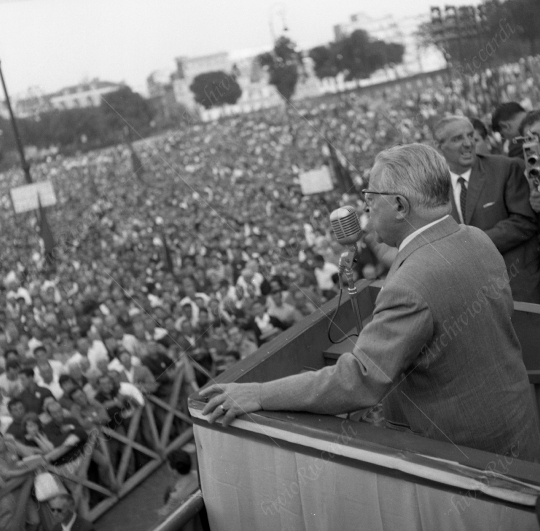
45, 230
277, 8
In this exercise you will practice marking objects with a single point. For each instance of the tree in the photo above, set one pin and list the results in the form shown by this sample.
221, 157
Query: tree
121, 115
358, 55
7, 138
214, 89
284, 65
125, 110
67, 128
324, 58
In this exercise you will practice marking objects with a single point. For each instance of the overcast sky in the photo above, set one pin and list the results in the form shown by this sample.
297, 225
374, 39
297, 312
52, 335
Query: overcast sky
55, 43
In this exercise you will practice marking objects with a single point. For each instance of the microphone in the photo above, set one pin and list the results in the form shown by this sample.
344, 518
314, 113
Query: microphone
347, 231
345, 225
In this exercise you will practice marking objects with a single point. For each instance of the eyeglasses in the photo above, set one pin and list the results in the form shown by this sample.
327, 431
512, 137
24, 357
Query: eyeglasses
373, 192
56, 510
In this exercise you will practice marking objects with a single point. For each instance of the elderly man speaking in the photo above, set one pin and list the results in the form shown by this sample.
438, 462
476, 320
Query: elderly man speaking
441, 342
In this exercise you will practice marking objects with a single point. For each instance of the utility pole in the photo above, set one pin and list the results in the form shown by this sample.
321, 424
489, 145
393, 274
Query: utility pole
46, 233
24, 163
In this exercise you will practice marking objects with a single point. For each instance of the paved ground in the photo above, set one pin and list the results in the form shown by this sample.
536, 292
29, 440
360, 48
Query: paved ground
137, 511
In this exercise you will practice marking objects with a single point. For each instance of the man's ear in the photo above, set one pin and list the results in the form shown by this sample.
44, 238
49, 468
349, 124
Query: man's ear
402, 207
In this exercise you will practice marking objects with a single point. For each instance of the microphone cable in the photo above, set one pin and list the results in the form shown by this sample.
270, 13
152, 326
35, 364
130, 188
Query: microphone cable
332, 322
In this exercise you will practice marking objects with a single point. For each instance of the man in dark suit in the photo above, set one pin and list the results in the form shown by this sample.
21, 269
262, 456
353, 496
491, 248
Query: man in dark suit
506, 120
65, 518
441, 341
492, 193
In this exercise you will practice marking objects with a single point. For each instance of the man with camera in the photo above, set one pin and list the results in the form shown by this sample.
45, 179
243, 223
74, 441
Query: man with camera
530, 130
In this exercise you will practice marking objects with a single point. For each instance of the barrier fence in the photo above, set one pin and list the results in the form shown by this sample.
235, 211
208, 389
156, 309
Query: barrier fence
154, 430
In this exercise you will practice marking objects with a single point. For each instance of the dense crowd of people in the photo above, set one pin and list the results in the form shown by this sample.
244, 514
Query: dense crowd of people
193, 261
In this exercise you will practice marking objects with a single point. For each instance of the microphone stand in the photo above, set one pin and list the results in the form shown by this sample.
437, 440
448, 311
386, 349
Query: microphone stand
346, 262
375, 416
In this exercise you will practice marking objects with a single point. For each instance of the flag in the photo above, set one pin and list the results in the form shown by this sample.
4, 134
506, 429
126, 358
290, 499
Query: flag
136, 164
340, 171
45, 233
168, 261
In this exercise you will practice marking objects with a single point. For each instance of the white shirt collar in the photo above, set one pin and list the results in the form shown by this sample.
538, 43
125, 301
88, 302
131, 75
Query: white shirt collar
456, 176
130, 375
69, 525
413, 235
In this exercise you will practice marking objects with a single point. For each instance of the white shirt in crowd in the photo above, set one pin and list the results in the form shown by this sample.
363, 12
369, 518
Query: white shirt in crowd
194, 307
53, 387
130, 343
131, 391
324, 276
115, 364
97, 352
256, 282
69, 525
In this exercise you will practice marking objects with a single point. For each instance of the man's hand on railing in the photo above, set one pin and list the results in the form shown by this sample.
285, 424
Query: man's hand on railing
231, 400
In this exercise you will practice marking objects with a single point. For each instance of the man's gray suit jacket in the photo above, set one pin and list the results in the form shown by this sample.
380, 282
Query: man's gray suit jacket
441, 342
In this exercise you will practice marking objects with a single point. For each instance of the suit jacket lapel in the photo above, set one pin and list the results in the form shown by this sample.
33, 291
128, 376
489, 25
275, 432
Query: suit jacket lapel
476, 183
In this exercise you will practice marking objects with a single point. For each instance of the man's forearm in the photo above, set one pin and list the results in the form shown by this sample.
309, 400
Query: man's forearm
331, 390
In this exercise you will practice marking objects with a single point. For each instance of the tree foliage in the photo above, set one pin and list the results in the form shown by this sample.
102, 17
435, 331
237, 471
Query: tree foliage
284, 65
126, 111
357, 56
325, 61
214, 89
84, 128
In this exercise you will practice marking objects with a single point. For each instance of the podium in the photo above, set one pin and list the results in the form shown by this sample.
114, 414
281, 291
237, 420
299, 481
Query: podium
292, 471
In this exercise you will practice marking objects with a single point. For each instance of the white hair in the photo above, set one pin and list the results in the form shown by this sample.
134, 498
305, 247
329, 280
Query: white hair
416, 171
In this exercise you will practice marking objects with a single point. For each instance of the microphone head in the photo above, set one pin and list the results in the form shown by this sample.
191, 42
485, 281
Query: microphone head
345, 225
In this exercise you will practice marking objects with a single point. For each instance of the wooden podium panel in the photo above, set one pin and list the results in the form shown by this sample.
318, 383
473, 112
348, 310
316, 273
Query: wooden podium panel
287, 470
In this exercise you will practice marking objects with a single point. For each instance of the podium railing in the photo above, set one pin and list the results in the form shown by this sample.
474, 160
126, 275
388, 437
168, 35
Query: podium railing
388, 475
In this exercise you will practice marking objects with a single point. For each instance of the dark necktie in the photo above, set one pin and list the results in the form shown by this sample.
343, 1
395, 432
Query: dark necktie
463, 196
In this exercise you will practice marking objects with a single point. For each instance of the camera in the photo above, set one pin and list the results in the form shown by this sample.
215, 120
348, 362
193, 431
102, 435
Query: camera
531, 154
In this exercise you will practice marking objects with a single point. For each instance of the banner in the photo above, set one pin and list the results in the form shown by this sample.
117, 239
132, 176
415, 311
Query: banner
33, 196
316, 181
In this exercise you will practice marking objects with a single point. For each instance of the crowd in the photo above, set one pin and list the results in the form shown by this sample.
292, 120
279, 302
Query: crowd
191, 263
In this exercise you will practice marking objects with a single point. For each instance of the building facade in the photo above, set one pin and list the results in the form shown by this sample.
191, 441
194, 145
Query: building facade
87, 94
